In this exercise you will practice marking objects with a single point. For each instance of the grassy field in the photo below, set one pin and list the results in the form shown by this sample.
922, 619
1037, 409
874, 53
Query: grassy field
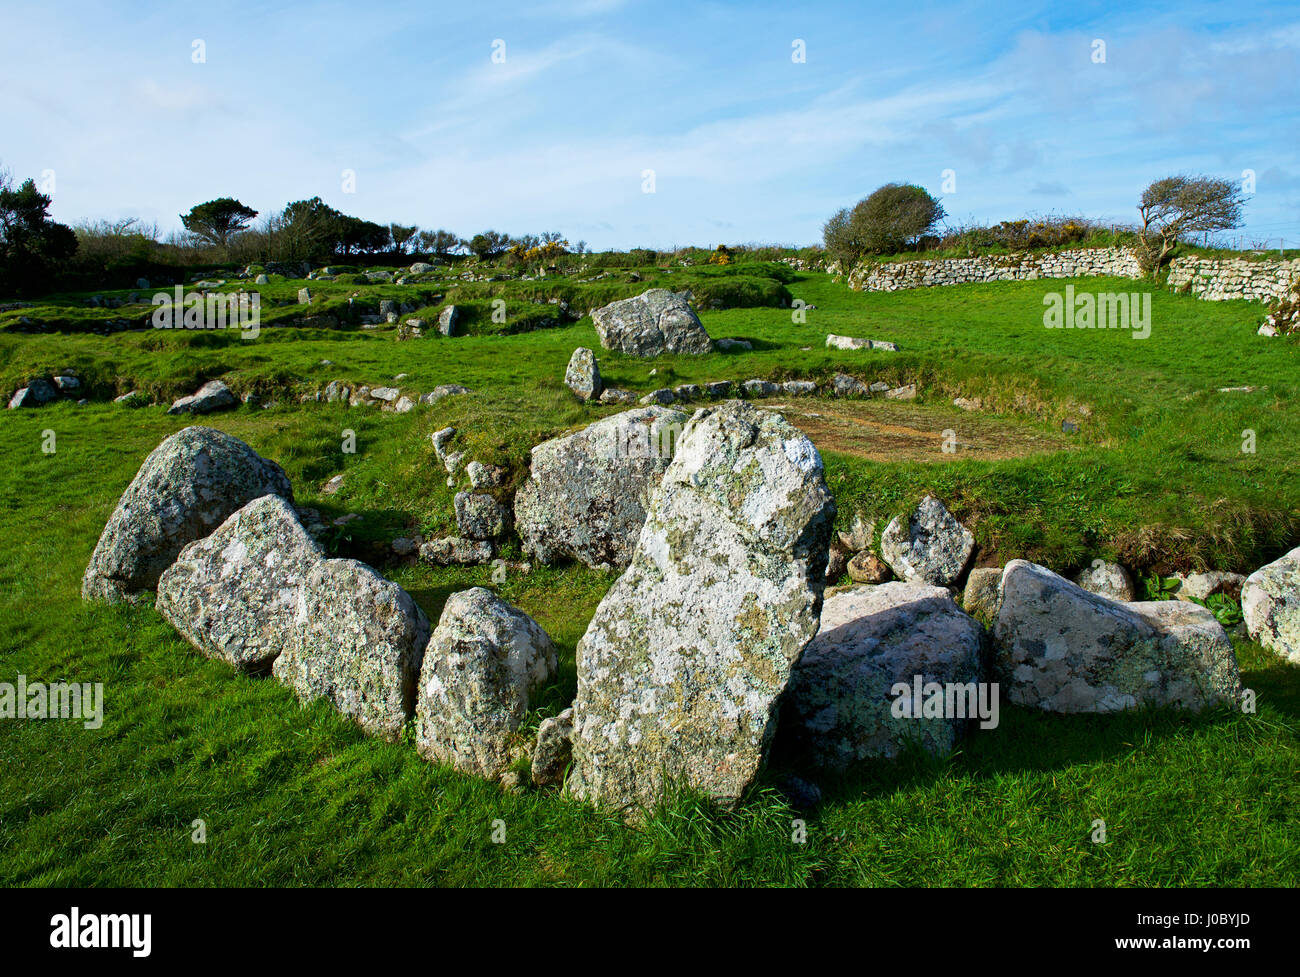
1155, 476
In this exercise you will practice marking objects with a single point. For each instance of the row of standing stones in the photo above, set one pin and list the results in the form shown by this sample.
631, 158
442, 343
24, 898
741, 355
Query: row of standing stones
717, 633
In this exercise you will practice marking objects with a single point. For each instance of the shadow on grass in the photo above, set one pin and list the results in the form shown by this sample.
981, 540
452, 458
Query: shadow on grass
1025, 741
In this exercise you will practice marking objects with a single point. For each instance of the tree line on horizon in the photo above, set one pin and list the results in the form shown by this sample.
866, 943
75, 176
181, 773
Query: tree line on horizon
896, 218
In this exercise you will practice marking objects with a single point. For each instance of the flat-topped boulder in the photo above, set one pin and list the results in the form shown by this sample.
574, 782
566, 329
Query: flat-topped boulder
683, 666
1062, 649
587, 493
653, 323
187, 487
234, 593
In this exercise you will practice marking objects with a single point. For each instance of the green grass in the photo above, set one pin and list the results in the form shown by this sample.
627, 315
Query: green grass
299, 796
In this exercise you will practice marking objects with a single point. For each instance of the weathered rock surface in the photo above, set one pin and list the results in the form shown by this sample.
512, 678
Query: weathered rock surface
456, 551
554, 749
682, 668
840, 707
587, 494
930, 545
358, 641
1202, 586
449, 321
480, 516
1062, 649
484, 660
853, 342
234, 594
866, 567
657, 321
1108, 580
982, 596
213, 395
187, 487
37, 393
582, 375
1270, 603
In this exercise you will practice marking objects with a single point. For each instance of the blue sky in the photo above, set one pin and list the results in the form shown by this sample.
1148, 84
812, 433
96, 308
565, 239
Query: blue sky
745, 144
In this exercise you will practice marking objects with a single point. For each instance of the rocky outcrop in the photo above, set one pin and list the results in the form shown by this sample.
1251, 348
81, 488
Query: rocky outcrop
656, 322
845, 703
587, 493
187, 487
358, 642
484, 660
234, 594
1062, 649
681, 670
1270, 603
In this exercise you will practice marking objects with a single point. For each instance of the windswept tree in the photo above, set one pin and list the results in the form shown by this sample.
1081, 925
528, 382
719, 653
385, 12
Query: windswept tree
216, 220
402, 235
31, 245
489, 244
893, 218
440, 243
1177, 206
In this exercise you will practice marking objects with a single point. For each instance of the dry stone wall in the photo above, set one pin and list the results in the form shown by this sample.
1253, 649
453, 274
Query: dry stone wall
1214, 279
1217, 279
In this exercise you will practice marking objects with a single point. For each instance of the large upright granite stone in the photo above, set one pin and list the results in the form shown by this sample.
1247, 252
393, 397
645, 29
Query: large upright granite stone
841, 707
1270, 603
484, 660
587, 493
929, 546
681, 671
234, 594
655, 322
187, 487
358, 641
1063, 649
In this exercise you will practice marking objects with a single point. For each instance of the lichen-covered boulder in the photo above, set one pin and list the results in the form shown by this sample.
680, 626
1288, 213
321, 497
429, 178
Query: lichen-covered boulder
582, 375
484, 660
682, 668
1108, 580
480, 516
655, 322
234, 594
456, 551
587, 493
553, 750
187, 487
842, 706
1062, 649
929, 546
358, 642
982, 595
1270, 603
